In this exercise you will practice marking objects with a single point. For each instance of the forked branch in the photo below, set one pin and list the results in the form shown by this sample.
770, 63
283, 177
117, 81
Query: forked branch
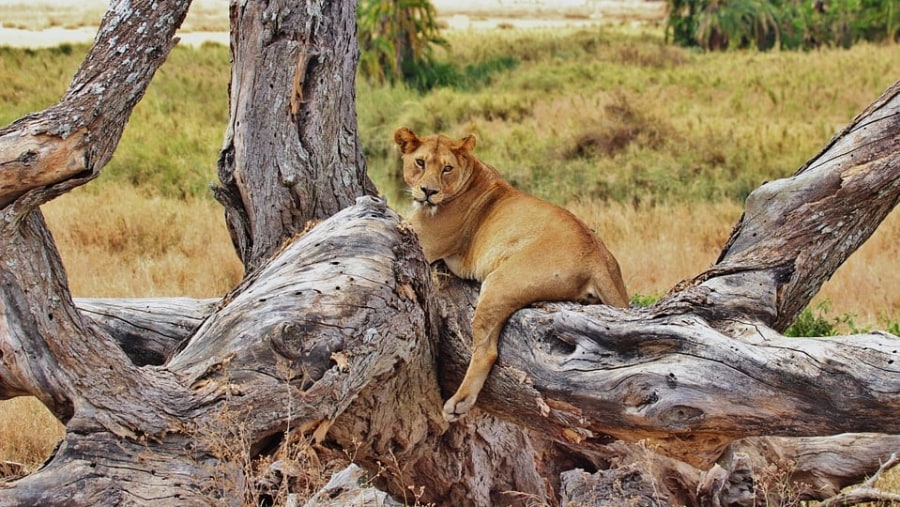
66, 145
866, 492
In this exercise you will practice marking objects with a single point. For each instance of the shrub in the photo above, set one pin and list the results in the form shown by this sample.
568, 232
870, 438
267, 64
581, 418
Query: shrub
396, 40
785, 24
812, 323
644, 300
737, 23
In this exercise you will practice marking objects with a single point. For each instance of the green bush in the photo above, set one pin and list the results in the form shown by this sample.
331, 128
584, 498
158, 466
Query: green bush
816, 322
785, 24
644, 300
397, 39
813, 322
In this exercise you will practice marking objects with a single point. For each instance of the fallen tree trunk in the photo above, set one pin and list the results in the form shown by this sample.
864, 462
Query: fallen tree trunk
338, 341
148, 330
576, 418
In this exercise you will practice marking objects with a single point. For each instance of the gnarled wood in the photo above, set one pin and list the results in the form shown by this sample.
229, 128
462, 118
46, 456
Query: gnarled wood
148, 330
291, 153
315, 374
339, 336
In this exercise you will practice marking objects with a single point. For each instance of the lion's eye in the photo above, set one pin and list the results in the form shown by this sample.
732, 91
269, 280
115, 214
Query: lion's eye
447, 169
420, 162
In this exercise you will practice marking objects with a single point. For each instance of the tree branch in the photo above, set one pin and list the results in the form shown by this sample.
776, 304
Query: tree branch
584, 374
69, 143
795, 232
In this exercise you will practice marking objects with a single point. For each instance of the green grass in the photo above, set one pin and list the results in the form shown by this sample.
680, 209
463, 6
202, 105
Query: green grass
613, 114
174, 134
31, 80
610, 114
181, 122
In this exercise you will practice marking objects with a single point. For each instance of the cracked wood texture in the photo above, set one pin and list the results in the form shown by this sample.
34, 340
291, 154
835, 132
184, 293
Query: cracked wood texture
291, 153
341, 336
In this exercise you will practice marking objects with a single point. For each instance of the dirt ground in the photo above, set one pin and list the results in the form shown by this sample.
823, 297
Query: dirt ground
48, 23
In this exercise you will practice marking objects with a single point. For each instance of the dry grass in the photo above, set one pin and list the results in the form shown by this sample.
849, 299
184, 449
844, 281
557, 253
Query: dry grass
28, 432
659, 246
119, 243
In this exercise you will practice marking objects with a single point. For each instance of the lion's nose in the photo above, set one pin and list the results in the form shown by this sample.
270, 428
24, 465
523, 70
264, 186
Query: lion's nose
428, 192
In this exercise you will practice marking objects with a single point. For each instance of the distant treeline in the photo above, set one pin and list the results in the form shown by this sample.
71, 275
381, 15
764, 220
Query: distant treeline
783, 24
398, 38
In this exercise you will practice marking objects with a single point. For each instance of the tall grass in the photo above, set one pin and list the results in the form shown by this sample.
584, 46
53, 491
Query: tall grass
608, 114
119, 242
621, 116
28, 432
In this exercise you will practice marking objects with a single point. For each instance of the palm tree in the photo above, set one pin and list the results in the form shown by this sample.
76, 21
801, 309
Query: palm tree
396, 39
739, 24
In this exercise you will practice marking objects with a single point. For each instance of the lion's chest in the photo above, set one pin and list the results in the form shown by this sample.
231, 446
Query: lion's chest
462, 254
459, 267
471, 238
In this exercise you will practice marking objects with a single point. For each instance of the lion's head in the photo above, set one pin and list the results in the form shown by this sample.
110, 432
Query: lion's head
436, 168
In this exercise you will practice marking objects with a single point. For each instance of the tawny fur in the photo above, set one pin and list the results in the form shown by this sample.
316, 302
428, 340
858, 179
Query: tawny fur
522, 249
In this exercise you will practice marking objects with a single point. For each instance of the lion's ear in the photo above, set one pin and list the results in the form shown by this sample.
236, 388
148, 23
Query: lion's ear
407, 140
468, 143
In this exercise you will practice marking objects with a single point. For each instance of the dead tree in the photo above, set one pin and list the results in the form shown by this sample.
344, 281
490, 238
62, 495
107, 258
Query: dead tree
344, 336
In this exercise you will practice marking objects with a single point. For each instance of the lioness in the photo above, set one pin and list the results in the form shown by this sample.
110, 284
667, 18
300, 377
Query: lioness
522, 249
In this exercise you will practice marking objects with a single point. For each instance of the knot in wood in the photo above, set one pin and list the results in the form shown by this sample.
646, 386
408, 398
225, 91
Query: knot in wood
307, 348
681, 415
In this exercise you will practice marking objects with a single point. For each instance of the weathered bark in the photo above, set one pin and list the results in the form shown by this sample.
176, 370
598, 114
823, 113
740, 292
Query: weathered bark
66, 145
148, 330
291, 153
340, 337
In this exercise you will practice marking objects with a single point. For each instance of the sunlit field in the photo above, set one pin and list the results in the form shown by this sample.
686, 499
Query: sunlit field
119, 243
654, 146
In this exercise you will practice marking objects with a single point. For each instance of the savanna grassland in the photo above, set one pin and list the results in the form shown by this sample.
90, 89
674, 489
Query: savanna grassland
654, 146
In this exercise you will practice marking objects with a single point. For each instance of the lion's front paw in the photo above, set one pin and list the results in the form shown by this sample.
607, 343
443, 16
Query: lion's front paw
457, 406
